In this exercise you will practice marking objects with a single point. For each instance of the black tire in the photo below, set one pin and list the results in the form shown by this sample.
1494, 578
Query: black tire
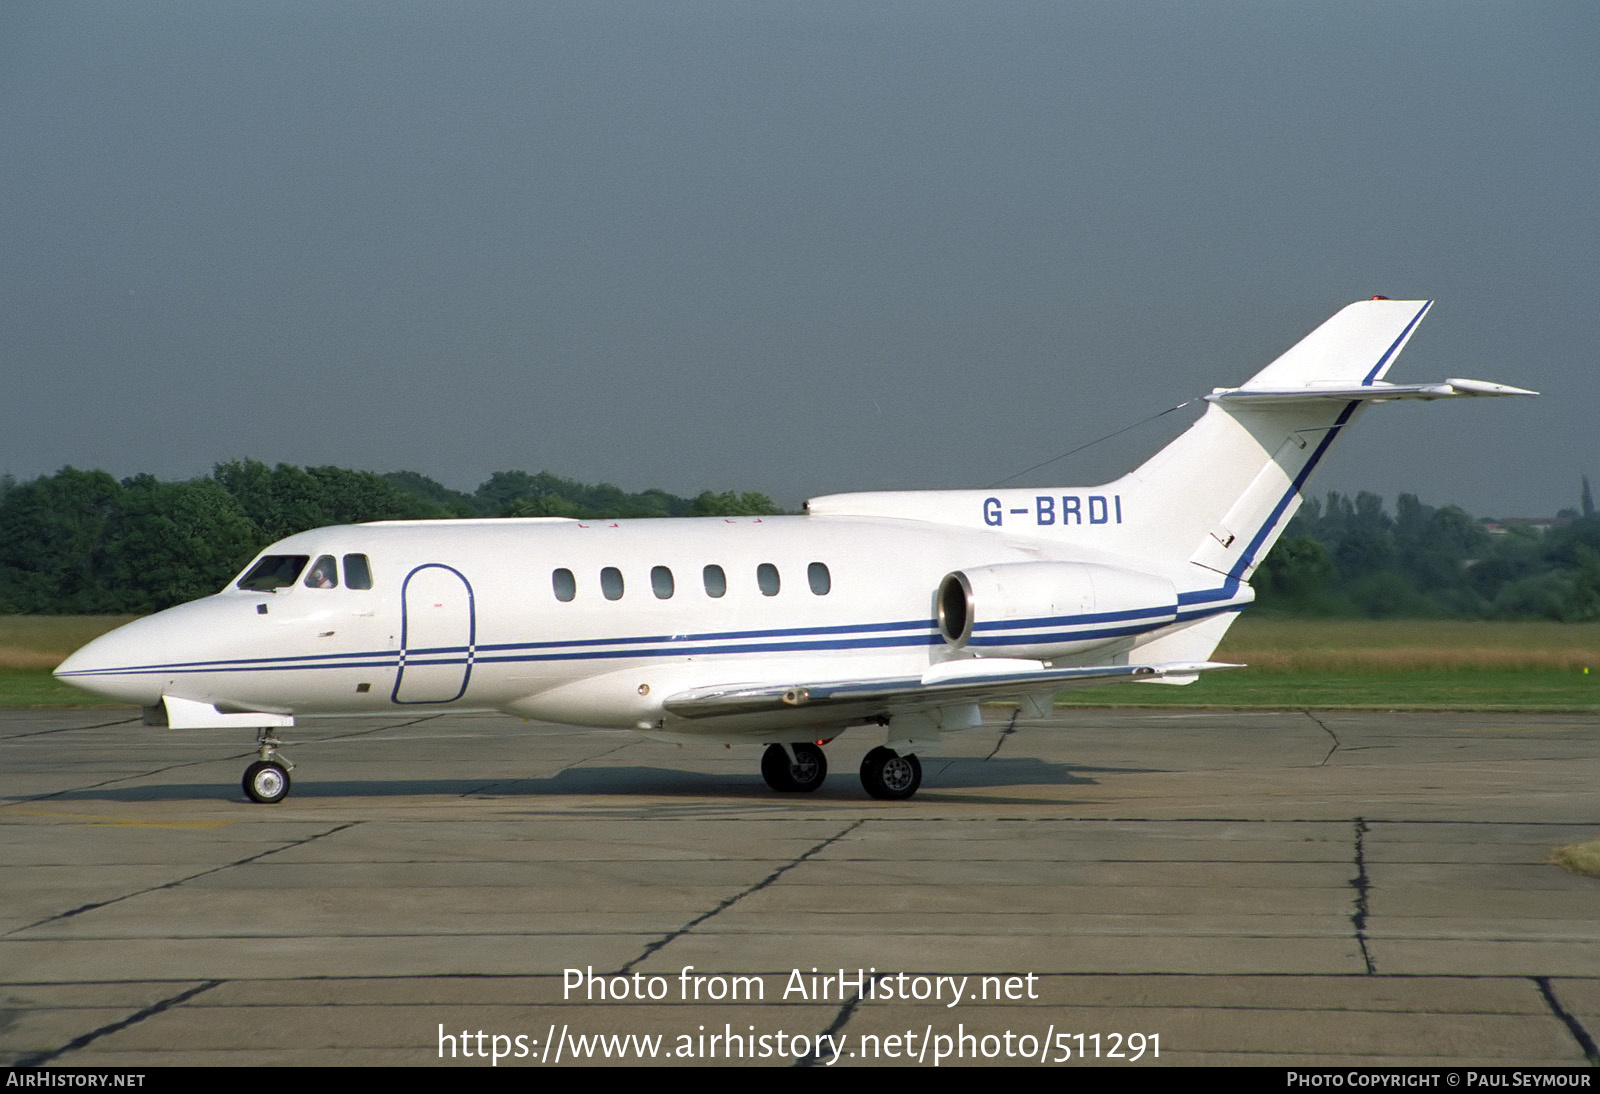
803, 775
266, 781
889, 776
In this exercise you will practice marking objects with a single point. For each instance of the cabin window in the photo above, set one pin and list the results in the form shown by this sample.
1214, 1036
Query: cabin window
357, 574
273, 572
611, 583
323, 574
661, 582
565, 585
716, 581
767, 578
817, 574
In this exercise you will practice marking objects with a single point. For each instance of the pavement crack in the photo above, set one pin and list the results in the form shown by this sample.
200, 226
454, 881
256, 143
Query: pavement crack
357, 734
1362, 885
1324, 727
121, 779
486, 787
1011, 727
92, 905
248, 753
1575, 1027
74, 729
42, 1058
654, 947
840, 1020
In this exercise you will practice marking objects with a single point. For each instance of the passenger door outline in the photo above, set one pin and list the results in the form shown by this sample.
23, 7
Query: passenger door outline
435, 666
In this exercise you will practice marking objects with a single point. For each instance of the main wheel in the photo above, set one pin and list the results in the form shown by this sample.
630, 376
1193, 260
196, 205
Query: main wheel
890, 776
266, 781
807, 771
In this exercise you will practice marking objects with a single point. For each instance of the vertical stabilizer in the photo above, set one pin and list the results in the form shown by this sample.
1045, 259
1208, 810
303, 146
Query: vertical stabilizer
1356, 346
1206, 509
1225, 489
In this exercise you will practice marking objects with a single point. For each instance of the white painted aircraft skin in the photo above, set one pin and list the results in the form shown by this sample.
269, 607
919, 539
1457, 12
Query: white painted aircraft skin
929, 601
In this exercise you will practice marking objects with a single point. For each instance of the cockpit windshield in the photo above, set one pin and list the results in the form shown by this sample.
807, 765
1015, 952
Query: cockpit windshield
273, 572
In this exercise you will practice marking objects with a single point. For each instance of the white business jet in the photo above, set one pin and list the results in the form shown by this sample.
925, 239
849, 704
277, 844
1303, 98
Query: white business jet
901, 611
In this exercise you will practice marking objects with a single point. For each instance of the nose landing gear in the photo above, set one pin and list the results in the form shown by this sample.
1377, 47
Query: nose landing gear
267, 780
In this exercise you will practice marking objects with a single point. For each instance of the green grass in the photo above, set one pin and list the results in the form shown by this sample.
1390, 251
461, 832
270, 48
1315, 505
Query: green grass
27, 688
1462, 689
32, 645
1289, 645
44, 641
1579, 858
1400, 664
1295, 664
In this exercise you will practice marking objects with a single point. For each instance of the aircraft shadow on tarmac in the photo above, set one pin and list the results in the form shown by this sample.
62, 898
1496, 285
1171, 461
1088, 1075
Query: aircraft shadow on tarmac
631, 781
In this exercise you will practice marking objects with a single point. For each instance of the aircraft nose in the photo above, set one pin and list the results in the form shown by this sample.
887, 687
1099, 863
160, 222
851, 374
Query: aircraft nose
135, 663
115, 666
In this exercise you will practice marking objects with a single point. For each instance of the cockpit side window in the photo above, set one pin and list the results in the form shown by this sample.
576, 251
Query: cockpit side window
357, 574
273, 572
324, 574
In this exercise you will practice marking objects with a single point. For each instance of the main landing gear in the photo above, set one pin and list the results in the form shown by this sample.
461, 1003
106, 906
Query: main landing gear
267, 780
890, 776
794, 769
800, 768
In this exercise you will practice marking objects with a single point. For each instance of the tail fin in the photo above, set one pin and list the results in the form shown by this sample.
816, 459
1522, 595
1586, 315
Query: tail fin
1233, 481
1214, 501
1227, 486
1356, 346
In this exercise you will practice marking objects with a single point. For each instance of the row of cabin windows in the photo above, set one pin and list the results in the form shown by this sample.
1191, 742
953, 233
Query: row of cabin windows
663, 585
279, 571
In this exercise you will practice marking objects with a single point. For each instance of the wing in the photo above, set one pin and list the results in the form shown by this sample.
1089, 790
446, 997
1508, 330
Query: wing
969, 681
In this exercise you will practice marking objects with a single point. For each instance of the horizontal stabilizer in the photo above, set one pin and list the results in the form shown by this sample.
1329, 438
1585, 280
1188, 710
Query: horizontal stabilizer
942, 685
1375, 392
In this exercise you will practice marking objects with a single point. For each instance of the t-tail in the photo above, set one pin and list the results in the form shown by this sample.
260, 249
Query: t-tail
1205, 510
1225, 489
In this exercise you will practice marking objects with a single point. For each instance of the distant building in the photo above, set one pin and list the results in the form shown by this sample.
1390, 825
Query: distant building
1541, 525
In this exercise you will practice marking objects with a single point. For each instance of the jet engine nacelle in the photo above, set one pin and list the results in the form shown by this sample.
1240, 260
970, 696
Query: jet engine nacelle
1050, 609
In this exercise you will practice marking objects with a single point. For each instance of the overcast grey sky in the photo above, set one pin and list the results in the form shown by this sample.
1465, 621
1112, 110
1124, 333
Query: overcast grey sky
796, 248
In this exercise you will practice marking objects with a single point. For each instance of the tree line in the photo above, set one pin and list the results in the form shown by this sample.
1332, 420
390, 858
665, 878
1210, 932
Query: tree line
1350, 557
81, 542
84, 542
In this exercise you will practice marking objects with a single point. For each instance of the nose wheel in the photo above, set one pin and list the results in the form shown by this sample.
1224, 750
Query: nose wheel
267, 780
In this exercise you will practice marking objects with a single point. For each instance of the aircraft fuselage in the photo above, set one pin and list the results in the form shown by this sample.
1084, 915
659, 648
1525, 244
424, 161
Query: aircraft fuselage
585, 622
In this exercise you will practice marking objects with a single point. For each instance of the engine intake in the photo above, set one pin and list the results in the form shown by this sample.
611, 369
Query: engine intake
1048, 609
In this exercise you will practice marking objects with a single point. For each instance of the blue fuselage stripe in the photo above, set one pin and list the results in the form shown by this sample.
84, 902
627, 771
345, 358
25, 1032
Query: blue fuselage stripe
854, 637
